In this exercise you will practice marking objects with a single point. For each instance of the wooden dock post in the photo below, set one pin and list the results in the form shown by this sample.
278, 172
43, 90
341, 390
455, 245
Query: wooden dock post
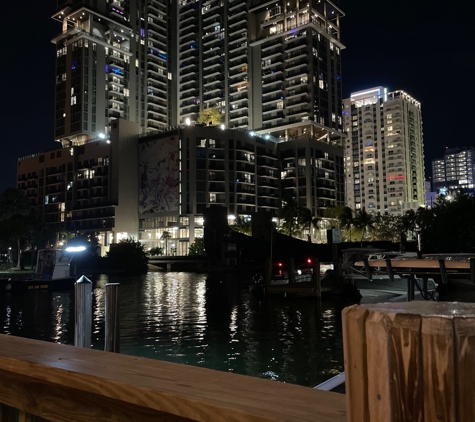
291, 270
316, 277
410, 361
83, 312
112, 319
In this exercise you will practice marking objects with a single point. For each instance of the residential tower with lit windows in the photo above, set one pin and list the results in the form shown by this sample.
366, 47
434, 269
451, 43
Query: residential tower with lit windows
454, 173
384, 151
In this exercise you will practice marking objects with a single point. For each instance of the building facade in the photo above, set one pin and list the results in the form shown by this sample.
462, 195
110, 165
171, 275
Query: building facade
454, 173
384, 154
273, 68
89, 188
127, 71
188, 169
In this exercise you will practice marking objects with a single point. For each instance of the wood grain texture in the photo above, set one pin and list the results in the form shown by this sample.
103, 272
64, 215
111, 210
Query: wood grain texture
439, 369
406, 379
166, 389
465, 363
378, 361
356, 382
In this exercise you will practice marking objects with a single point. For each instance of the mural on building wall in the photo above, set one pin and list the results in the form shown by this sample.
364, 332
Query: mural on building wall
158, 168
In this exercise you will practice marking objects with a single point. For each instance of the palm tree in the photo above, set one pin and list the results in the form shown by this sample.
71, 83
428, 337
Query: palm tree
289, 213
165, 236
363, 221
346, 219
242, 225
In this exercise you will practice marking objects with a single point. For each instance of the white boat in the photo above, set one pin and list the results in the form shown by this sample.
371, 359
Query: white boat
367, 269
53, 272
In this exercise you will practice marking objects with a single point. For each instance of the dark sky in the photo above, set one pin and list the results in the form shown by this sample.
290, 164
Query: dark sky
426, 48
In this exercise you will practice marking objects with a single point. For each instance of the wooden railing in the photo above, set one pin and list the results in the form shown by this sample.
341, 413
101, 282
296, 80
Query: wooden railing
403, 361
66, 383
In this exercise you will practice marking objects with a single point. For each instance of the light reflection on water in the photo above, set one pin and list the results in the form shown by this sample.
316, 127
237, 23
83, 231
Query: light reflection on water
188, 318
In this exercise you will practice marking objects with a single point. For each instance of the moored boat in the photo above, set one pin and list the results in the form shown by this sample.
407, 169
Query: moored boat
53, 271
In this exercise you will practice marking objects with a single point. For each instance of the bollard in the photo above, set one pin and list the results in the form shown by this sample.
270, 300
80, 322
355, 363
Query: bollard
112, 320
316, 277
83, 312
410, 361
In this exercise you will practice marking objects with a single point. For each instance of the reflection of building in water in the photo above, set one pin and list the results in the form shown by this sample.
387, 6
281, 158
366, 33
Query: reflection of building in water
61, 316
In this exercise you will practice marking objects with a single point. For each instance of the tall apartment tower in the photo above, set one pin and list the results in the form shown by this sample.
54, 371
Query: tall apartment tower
274, 68
384, 158
112, 62
455, 172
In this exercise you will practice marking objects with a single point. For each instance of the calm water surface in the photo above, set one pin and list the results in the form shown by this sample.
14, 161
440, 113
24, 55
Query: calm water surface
195, 319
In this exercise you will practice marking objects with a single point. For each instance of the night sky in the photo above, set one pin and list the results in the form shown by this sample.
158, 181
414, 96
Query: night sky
426, 48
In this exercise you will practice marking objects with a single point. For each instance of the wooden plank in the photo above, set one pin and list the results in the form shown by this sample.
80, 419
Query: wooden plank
356, 382
465, 358
181, 391
439, 369
406, 385
378, 327
59, 403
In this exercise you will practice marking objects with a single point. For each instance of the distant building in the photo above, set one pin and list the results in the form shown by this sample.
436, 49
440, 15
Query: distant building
384, 156
454, 173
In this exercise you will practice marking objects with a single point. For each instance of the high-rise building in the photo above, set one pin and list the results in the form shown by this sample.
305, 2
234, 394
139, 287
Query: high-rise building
454, 173
384, 158
149, 68
274, 68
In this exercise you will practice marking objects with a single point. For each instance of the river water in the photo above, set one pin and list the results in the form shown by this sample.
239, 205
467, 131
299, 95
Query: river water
200, 320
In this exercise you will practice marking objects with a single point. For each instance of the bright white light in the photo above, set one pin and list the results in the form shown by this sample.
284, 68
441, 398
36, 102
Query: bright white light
102, 136
75, 248
108, 141
222, 126
188, 121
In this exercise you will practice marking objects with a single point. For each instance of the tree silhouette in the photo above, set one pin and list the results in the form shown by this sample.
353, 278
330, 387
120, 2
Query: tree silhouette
364, 222
165, 236
242, 225
346, 219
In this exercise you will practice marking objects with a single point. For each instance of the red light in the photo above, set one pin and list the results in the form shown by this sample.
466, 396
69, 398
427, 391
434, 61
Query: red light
280, 264
309, 261
280, 272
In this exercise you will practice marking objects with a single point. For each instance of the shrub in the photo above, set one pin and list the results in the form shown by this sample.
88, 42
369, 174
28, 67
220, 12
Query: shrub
129, 256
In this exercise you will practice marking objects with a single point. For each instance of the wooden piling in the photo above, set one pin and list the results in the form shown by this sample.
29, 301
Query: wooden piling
410, 362
316, 277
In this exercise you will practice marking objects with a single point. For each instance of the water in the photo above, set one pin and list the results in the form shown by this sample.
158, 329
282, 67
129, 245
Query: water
194, 319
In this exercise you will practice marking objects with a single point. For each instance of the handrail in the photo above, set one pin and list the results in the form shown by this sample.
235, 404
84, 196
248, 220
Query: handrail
65, 383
